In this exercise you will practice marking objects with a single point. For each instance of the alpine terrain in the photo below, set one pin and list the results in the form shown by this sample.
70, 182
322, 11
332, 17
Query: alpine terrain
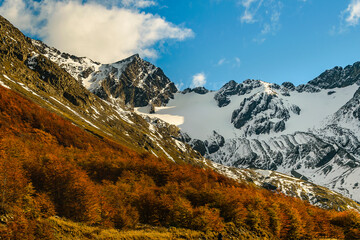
88, 149
308, 131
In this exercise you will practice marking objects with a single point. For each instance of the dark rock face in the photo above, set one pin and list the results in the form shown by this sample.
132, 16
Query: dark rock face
214, 143
266, 112
338, 77
199, 146
307, 88
288, 85
279, 126
269, 186
184, 137
137, 83
209, 146
232, 88
198, 90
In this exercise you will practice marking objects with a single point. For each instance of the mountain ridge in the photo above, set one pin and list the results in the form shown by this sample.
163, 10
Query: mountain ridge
131, 81
83, 158
155, 136
259, 131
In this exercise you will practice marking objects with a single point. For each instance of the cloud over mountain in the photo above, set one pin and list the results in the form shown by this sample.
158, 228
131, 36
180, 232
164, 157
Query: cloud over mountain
92, 29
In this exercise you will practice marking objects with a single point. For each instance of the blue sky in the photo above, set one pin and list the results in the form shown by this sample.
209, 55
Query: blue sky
203, 42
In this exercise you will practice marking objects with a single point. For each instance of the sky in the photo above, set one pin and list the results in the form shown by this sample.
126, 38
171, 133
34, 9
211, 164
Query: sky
203, 42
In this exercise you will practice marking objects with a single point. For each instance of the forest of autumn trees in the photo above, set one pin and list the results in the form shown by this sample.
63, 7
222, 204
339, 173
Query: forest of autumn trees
50, 167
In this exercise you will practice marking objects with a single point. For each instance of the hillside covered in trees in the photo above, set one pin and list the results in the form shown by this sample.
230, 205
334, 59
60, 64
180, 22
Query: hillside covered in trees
50, 167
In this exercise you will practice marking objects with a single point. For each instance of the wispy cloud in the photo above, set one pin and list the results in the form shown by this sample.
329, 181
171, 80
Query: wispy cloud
265, 13
237, 62
348, 18
221, 61
233, 62
179, 85
102, 32
198, 80
251, 8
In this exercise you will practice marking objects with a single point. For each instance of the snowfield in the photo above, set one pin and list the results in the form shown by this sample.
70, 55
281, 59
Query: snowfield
198, 115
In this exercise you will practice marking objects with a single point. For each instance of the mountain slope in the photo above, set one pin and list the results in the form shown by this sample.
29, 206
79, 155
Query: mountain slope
270, 110
99, 164
58, 168
26, 70
132, 81
309, 131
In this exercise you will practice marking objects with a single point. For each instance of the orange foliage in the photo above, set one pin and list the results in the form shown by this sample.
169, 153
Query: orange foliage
49, 166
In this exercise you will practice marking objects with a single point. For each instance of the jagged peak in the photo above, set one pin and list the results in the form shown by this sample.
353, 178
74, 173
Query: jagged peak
130, 59
198, 90
338, 77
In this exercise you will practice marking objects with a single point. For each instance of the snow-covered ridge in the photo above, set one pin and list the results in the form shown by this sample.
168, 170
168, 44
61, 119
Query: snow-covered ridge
132, 81
288, 185
245, 116
199, 114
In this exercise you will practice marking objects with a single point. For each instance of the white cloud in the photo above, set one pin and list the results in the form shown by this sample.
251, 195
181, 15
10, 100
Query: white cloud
103, 33
353, 13
199, 80
250, 11
19, 13
348, 18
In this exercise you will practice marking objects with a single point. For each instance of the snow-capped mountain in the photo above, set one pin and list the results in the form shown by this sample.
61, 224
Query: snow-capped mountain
310, 131
225, 126
132, 81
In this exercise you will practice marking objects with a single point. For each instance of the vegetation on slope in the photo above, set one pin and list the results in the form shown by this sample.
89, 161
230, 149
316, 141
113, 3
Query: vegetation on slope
50, 167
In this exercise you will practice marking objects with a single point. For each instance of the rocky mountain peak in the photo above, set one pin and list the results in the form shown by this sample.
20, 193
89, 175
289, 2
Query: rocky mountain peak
338, 77
262, 113
198, 90
232, 88
133, 81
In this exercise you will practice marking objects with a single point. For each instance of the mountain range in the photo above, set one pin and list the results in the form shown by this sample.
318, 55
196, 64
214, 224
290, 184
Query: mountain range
301, 140
308, 131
